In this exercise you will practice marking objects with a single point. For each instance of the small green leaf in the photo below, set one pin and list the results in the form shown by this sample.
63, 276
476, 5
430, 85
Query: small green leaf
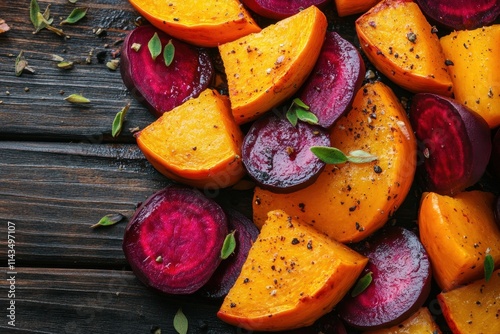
362, 284
72, 1
154, 46
34, 10
168, 53
109, 219
65, 65
298, 102
228, 246
306, 116
329, 155
116, 128
489, 267
360, 156
76, 15
20, 64
77, 98
291, 116
180, 322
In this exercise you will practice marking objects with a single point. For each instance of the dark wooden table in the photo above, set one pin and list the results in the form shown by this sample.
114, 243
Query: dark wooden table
61, 171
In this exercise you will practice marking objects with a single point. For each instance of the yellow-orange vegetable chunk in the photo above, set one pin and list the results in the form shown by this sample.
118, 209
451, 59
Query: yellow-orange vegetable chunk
420, 322
350, 201
457, 232
398, 40
475, 73
293, 275
264, 69
351, 7
473, 308
203, 23
197, 143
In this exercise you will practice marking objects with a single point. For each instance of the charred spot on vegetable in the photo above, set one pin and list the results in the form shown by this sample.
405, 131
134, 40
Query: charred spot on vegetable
448, 62
377, 169
412, 37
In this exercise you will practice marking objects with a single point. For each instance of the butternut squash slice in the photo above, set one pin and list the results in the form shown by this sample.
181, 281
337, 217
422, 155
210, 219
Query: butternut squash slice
292, 276
351, 7
197, 143
457, 232
475, 73
398, 40
473, 308
202, 23
264, 69
420, 322
348, 202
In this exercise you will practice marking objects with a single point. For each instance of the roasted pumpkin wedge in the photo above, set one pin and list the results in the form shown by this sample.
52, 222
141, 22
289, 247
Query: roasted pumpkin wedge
264, 69
474, 58
197, 143
202, 23
293, 275
421, 322
350, 201
457, 233
398, 40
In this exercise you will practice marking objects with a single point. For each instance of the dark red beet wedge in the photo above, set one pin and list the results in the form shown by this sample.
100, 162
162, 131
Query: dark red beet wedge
157, 86
401, 280
277, 154
334, 81
229, 269
461, 14
454, 143
174, 239
280, 9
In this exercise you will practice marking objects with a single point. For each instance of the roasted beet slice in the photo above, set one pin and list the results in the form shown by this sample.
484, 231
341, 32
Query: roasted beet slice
454, 143
280, 9
174, 239
461, 14
401, 280
158, 86
226, 274
334, 81
277, 154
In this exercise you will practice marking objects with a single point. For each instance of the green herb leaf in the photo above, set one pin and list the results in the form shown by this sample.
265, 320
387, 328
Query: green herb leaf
118, 121
109, 219
76, 15
34, 10
154, 46
489, 267
291, 115
180, 322
72, 1
329, 155
20, 64
77, 98
65, 65
298, 102
228, 246
360, 156
306, 116
168, 53
362, 284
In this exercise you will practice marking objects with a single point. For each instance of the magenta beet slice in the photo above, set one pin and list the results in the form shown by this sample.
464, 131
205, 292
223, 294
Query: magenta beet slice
334, 81
401, 280
157, 86
461, 14
280, 9
277, 154
454, 143
174, 239
225, 276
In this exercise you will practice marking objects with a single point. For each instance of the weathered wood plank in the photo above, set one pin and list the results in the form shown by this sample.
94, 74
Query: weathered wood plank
54, 192
33, 105
49, 300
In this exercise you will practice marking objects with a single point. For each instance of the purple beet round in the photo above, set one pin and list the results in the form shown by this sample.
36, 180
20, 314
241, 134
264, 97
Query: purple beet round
401, 280
174, 239
334, 81
461, 14
277, 154
280, 9
225, 276
454, 143
157, 86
